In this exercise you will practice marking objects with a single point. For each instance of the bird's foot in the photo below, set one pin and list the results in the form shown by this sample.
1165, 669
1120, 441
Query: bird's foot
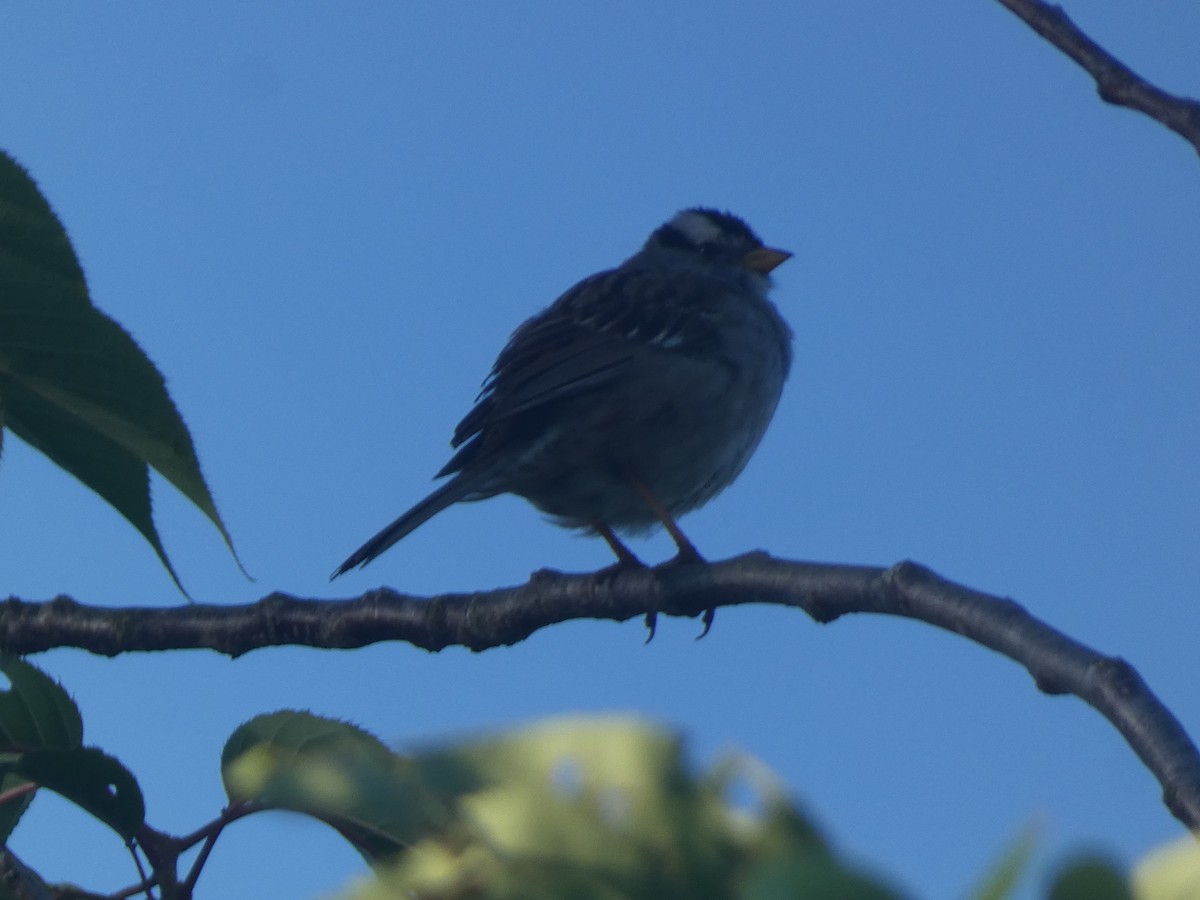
689, 555
628, 563
626, 560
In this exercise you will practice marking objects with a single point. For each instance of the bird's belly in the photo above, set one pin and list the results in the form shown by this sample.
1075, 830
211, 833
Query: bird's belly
684, 445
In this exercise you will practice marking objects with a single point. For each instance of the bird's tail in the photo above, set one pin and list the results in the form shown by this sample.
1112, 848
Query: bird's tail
452, 491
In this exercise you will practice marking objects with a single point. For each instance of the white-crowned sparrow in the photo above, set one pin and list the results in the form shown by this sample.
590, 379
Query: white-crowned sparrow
636, 396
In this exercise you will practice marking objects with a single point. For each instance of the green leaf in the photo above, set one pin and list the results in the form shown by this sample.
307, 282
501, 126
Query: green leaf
35, 713
15, 803
812, 875
92, 780
334, 772
607, 809
1090, 877
73, 383
107, 468
597, 797
19, 882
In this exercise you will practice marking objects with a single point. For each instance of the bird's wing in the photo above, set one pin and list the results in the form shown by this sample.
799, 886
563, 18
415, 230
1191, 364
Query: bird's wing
583, 341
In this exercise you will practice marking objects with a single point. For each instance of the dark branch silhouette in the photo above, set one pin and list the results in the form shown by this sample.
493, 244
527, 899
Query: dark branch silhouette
1116, 82
1058, 664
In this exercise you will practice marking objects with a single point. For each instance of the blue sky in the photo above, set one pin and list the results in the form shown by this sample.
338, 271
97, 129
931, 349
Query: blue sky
323, 221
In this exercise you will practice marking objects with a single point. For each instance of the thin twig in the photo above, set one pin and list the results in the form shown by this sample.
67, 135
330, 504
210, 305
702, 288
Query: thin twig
1116, 82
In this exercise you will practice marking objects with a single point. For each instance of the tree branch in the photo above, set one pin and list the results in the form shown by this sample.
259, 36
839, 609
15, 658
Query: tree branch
1116, 82
1058, 664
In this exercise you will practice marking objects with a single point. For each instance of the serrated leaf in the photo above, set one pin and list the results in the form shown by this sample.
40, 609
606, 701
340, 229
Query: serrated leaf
114, 473
300, 732
332, 771
15, 805
73, 383
35, 711
93, 781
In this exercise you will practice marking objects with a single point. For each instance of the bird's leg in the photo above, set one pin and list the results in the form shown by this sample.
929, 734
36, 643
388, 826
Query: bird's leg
626, 559
687, 550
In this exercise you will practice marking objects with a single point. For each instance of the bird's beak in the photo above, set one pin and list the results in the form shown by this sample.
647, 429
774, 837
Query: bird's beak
764, 259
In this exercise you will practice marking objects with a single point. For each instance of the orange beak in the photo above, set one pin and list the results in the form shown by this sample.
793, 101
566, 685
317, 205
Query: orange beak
764, 259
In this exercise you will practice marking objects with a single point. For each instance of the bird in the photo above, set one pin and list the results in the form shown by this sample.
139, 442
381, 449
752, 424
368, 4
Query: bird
635, 397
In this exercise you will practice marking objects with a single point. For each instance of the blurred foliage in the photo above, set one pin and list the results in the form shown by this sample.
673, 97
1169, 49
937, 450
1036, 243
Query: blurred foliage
1171, 872
1090, 877
1002, 880
608, 808
579, 807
